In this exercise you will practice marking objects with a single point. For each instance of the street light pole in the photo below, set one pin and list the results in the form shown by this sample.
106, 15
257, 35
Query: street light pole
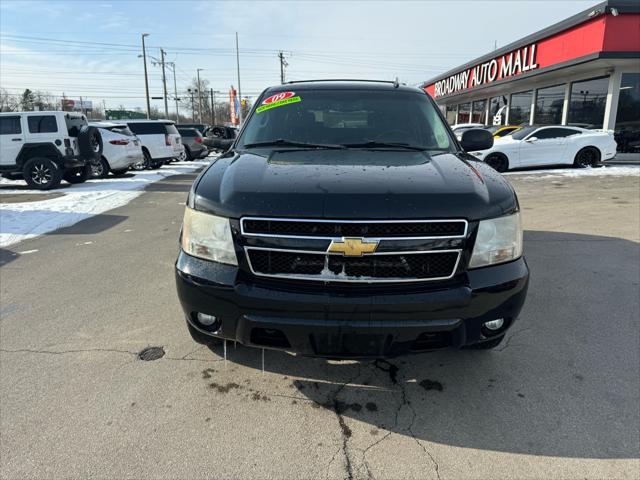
146, 78
199, 95
175, 91
239, 89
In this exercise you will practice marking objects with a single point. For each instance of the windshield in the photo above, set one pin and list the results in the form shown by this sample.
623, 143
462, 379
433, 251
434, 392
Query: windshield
353, 118
494, 128
523, 132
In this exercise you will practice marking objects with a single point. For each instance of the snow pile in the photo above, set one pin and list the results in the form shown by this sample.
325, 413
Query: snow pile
20, 221
606, 171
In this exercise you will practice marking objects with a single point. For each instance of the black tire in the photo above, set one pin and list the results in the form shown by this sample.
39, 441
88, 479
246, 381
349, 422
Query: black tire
145, 163
188, 154
587, 157
78, 174
100, 169
119, 173
90, 143
498, 162
488, 345
201, 338
155, 164
42, 173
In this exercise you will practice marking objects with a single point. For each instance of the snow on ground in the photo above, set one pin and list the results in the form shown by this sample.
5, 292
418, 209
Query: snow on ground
607, 170
20, 221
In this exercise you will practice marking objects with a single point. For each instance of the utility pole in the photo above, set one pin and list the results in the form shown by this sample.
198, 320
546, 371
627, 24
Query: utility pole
175, 90
191, 91
213, 107
199, 95
146, 79
239, 89
283, 63
164, 83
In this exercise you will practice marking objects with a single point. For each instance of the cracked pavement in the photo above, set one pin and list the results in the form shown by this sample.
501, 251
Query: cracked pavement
558, 399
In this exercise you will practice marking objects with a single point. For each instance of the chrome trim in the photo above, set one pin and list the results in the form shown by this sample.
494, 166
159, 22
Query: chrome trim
319, 278
304, 237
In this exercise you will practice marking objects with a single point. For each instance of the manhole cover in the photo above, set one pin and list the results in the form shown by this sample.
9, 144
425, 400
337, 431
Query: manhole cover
151, 353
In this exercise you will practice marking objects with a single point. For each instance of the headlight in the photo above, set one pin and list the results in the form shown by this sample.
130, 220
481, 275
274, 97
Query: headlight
208, 237
499, 240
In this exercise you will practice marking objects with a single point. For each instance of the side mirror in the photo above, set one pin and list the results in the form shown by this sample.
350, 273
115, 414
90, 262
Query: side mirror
476, 139
531, 139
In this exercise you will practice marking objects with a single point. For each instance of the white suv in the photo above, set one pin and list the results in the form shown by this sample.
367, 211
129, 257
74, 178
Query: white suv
160, 140
121, 149
44, 148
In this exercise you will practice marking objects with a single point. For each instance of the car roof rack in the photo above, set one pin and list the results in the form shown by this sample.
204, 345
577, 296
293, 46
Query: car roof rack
392, 82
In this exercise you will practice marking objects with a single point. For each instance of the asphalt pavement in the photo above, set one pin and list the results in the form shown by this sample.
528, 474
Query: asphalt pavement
560, 398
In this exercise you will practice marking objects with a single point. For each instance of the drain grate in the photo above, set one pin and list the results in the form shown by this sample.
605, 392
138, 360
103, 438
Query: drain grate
151, 353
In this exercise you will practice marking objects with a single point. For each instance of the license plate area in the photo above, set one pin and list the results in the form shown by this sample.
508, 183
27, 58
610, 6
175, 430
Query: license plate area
350, 344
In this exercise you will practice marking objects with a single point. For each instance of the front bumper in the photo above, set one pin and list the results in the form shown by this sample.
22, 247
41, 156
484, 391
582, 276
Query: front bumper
338, 322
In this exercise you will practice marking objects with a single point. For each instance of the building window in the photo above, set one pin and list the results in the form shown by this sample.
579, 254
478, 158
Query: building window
627, 130
451, 114
478, 112
464, 113
497, 110
588, 100
549, 104
520, 108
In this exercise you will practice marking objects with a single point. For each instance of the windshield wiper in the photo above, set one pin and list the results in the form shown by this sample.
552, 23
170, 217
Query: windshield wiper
374, 144
281, 142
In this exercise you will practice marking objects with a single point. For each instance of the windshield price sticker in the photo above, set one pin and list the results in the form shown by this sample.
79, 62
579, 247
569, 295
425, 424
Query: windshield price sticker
278, 100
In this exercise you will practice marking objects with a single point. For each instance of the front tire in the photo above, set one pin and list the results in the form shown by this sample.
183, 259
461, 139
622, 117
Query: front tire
100, 169
42, 173
78, 175
587, 157
498, 162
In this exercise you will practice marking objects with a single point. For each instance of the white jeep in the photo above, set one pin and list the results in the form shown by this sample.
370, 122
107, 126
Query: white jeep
45, 148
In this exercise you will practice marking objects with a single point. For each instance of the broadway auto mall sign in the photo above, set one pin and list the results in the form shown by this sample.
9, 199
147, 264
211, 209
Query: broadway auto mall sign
508, 65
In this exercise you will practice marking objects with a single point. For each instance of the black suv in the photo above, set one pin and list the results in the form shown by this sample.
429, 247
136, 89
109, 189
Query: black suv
347, 221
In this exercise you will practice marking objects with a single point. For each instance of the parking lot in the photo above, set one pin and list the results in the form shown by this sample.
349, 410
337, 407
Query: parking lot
559, 398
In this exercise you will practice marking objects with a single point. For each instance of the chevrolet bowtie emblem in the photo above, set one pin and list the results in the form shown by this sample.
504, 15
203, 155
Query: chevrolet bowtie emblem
352, 247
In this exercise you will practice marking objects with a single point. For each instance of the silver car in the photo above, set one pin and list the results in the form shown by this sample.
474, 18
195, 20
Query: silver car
193, 146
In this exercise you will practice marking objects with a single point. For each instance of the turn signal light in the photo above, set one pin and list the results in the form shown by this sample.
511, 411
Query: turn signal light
119, 142
167, 140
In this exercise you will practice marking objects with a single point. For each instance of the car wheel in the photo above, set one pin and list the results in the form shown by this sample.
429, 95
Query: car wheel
183, 156
144, 164
587, 157
498, 162
78, 175
188, 155
119, 173
155, 164
488, 345
201, 338
42, 173
100, 169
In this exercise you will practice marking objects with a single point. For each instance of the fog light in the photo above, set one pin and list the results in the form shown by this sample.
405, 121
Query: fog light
494, 324
207, 320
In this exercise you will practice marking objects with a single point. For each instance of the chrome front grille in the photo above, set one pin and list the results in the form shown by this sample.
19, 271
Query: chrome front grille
407, 251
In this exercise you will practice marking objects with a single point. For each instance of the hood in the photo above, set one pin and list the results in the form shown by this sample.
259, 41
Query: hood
352, 184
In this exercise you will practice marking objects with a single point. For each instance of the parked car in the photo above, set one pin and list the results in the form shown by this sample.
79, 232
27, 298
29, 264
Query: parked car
121, 150
160, 141
45, 148
463, 127
535, 146
201, 127
499, 131
346, 220
193, 146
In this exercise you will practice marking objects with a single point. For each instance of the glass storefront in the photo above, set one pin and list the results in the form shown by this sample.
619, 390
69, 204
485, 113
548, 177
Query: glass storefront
588, 101
520, 108
549, 104
451, 114
627, 130
497, 107
479, 111
464, 112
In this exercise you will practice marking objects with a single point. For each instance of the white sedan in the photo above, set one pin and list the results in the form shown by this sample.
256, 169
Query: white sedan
552, 145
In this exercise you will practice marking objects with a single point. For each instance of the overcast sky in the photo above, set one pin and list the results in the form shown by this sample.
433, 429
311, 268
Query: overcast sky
415, 40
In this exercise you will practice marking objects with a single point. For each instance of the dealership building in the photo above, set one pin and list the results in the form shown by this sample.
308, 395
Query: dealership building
583, 71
